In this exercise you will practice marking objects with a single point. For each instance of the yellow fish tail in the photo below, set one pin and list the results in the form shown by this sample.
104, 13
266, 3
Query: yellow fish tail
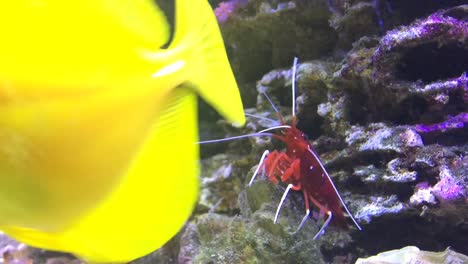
197, 31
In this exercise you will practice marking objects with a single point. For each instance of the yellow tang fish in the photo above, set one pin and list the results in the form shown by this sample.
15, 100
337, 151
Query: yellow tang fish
98, 121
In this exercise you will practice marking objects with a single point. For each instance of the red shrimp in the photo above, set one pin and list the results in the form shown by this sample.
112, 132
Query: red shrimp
301, 169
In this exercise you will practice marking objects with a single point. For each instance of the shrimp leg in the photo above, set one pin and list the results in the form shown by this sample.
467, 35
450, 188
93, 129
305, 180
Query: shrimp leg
306, 216
322, 209
260, 165
289, 187
322, 229
294, 171
281, 202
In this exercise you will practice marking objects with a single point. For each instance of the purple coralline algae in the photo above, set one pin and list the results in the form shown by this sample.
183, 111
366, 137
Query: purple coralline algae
420, 66
454, 122
439, 28
448, 188
225, 9
440, 89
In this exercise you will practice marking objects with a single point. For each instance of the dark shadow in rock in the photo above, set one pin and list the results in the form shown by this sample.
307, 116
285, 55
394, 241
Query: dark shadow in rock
397, 231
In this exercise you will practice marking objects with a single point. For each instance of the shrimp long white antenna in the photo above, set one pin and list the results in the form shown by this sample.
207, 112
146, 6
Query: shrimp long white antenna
261, 133
271, 102
235, 137
262, 117
273, 128
294, 87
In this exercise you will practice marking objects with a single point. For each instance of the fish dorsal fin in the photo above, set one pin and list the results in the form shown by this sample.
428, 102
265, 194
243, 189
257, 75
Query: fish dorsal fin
83, 45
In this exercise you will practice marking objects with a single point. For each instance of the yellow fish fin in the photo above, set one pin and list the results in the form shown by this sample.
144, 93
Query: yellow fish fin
149, 206
35, 238
197, 27
156, 196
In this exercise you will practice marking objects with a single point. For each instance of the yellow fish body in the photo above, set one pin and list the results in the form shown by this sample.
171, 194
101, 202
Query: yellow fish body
98, 122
